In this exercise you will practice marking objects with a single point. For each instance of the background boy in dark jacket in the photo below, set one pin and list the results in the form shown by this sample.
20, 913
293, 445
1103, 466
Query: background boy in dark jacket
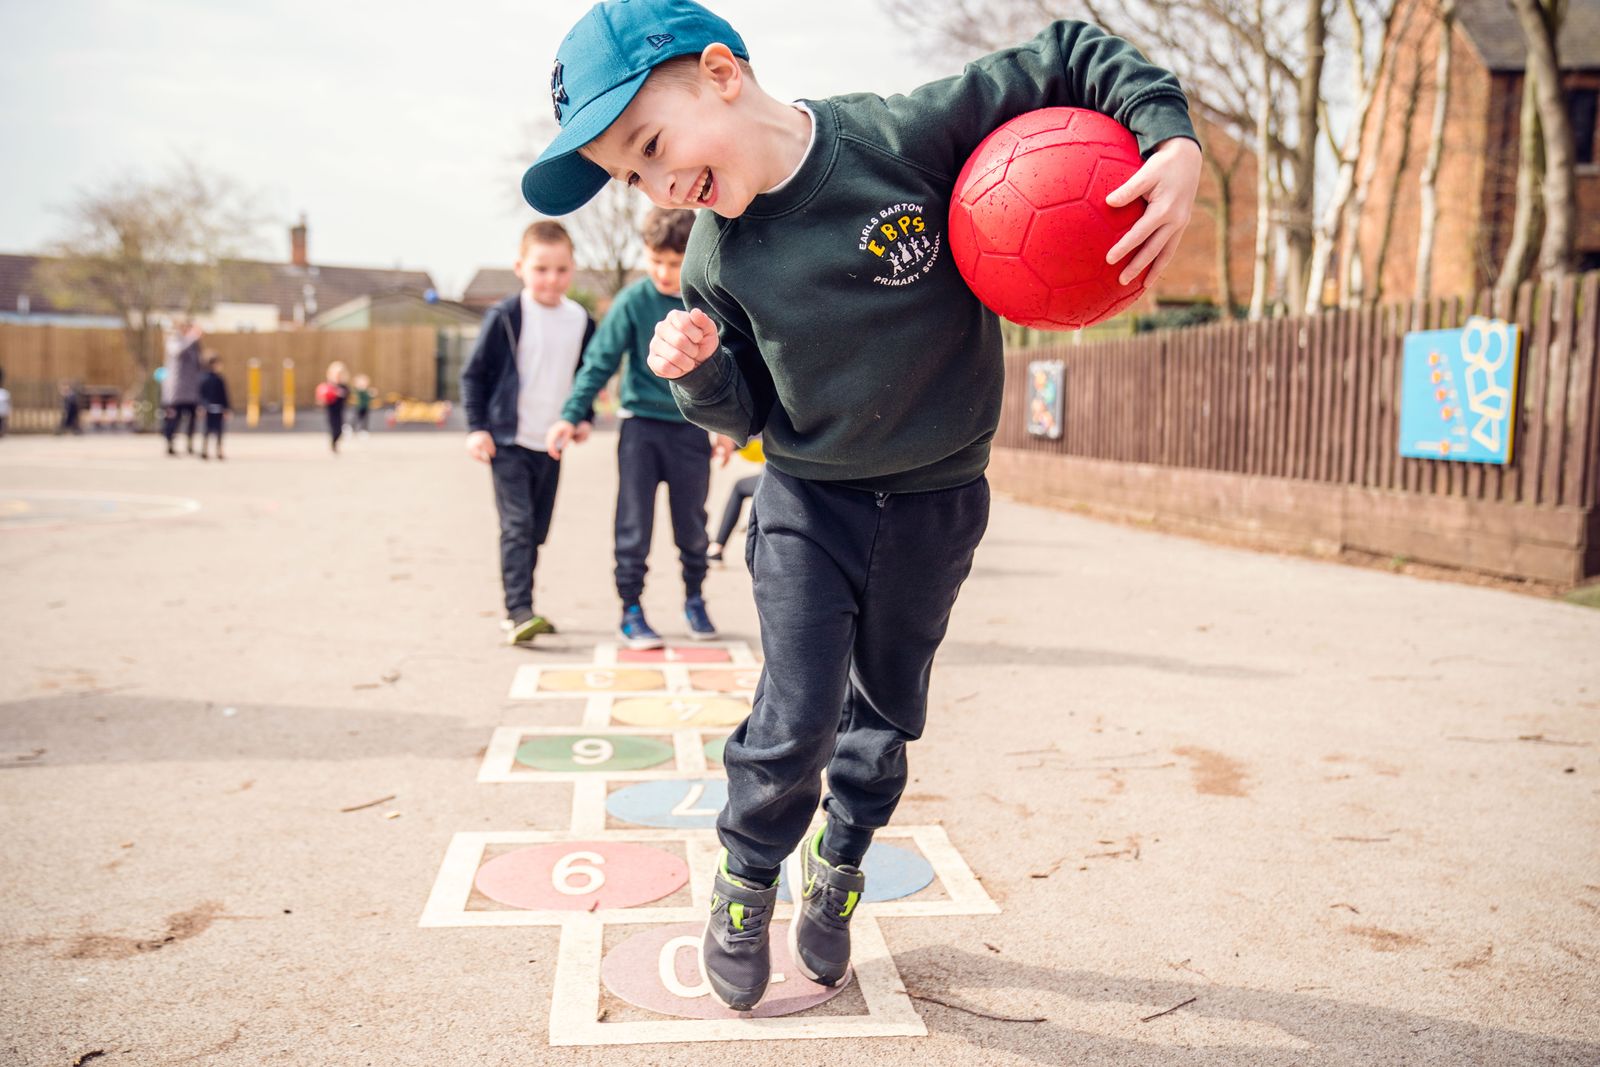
512, 388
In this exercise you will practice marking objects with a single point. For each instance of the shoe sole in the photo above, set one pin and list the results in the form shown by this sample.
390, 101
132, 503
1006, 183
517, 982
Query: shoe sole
642, 644
711, 980
695, 635
800, 964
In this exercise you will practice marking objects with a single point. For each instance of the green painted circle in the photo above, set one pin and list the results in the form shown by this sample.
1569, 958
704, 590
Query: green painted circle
593, 752
714, 749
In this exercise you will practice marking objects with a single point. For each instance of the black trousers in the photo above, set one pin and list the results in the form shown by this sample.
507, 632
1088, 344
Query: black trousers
335, 424
214, 421
743, 490
649, 452
854, 591
176, 413
525, 495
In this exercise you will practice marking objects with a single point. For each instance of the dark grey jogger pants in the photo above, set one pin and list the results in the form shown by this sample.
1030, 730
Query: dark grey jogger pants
854, 591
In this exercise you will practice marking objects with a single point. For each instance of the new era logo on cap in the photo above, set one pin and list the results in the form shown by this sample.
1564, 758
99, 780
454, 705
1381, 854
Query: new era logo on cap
659, 40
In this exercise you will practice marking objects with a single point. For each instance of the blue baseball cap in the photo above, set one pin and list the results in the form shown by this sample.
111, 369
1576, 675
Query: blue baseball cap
599, 68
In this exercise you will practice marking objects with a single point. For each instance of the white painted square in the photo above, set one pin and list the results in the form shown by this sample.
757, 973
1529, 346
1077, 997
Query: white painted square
552, 681
452, 889
688, 761
575, 1003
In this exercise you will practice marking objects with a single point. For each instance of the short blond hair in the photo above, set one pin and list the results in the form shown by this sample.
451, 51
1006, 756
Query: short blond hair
544, 232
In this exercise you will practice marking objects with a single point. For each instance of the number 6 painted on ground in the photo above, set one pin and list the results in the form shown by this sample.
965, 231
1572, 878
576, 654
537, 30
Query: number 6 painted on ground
568, 867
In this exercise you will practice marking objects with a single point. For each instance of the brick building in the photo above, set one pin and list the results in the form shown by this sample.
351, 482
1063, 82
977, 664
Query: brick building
1477, 180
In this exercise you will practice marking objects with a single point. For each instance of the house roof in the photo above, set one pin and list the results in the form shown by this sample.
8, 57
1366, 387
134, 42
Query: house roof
492, 284
282, 285
408, 306
1492, 27
16, 280
316, 287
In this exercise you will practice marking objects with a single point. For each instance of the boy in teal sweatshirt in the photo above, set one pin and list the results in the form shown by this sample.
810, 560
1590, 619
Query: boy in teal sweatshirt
876, 391
656, 443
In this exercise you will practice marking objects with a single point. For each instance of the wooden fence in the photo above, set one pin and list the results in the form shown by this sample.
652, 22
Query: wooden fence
401, 360
1286, 432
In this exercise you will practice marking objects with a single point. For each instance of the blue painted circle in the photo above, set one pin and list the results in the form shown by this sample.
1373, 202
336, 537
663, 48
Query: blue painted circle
892, 873
677, 804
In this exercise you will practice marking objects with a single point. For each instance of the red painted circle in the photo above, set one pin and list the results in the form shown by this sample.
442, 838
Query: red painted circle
633, 971
597, 874
673, 655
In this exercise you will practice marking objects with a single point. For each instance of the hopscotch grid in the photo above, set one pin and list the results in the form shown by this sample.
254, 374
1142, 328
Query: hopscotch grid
577, 990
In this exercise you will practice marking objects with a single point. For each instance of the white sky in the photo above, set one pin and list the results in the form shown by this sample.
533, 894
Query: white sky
401, 129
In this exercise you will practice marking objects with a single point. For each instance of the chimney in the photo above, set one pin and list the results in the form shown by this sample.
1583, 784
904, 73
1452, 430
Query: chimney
297, 243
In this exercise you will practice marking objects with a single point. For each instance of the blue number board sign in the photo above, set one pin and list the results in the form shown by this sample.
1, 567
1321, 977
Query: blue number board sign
1458, 389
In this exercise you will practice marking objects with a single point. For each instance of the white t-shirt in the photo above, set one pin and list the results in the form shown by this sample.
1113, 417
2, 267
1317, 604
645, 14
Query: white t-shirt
548, 350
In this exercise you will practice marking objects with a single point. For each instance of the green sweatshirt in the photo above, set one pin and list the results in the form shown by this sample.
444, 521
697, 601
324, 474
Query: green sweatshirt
626, 332
865, 361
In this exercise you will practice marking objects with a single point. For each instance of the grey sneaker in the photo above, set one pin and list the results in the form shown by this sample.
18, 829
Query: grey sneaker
819, 933
734, 952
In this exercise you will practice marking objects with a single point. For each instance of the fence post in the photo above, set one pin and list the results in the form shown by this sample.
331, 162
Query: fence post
288, 394
252, 405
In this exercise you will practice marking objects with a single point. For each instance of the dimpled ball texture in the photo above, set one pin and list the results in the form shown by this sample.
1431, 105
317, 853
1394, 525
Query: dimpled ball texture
1029, 223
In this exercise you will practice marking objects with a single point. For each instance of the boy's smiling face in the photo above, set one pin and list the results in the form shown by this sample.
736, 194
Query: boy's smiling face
686, 147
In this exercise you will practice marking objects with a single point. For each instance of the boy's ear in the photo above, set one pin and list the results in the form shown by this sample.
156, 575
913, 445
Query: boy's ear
721, 71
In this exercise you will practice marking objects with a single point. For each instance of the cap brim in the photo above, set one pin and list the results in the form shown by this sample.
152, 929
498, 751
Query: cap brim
561, 181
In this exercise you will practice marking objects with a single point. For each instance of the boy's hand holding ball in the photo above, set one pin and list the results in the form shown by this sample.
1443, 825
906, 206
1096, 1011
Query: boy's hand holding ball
683, 341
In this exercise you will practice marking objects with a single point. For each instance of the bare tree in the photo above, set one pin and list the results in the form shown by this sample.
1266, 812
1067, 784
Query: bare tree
1430, 169
1261, 275
1365, 79
606, 232
1541, 24
1402, 163
1528, 219
139, 248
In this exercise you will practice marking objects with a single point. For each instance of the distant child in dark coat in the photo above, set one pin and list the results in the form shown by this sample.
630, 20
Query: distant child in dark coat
214, 398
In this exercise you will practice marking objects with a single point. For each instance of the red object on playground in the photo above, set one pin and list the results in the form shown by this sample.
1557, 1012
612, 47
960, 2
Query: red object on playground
325, 393
1029, 223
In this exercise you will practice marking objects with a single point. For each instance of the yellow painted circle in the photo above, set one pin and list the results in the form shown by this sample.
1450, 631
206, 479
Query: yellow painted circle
601, 680
680, 711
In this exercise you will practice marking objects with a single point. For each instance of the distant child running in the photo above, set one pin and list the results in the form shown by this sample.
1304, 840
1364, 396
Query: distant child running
332, 393
742, 490
872, 373
512, 388
656, 443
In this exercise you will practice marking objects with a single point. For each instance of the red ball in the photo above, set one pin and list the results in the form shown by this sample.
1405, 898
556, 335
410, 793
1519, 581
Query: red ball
1029, 224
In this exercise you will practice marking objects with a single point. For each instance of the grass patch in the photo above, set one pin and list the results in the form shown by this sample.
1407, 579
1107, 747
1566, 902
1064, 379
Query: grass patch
1585, 596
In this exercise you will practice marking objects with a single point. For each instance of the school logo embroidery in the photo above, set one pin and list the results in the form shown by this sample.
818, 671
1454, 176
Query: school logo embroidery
903, 244
659, 41
558, 91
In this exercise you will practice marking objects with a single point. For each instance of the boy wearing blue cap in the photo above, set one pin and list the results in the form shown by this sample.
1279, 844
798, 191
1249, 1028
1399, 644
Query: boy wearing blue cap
876, 396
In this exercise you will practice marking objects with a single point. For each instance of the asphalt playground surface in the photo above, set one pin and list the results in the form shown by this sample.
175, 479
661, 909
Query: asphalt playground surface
1340, 816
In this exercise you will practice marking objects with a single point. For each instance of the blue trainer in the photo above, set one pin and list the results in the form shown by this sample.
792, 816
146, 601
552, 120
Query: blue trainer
635, 631
700, 627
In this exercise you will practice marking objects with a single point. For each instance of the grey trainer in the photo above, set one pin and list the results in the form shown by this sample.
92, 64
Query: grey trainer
819, 934
734, 952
